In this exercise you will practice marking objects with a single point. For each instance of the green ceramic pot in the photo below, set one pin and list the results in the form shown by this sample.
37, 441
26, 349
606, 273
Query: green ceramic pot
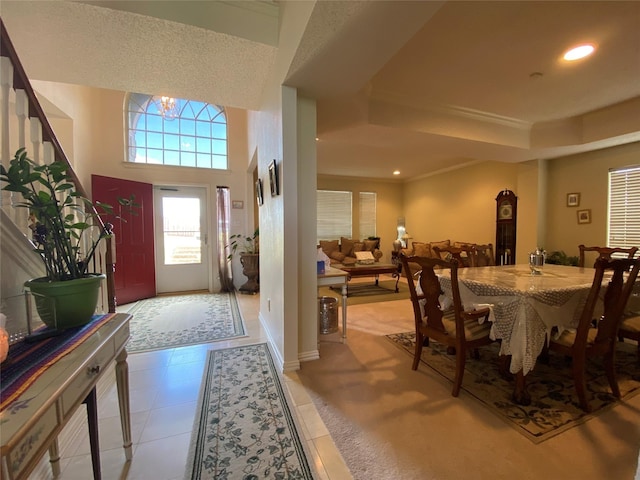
66, 304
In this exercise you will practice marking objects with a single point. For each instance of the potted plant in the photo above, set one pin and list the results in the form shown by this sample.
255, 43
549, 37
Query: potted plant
64, 236
249, 251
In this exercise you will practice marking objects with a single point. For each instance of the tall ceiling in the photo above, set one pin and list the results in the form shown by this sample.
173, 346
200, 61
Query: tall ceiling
411, 86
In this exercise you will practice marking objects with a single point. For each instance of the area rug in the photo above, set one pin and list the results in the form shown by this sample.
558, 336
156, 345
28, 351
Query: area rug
179, 320
554, 407
361, 292
243, 427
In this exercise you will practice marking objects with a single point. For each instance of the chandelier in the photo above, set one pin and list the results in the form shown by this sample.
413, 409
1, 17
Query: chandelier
168, 107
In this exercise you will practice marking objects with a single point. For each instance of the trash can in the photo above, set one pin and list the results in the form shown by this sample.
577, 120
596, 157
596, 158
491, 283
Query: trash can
328, 315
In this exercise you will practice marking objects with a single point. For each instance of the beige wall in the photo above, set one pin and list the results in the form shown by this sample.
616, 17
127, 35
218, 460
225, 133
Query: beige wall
96, 145
389, 205
459, 204
586, 174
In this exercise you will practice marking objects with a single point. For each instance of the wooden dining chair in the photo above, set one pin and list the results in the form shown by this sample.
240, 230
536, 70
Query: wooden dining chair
454, 327
482, 255
463, 254
597, 338
630, 328
604, 252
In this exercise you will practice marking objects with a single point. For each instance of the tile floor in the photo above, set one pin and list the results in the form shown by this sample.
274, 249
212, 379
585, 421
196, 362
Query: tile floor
164, 388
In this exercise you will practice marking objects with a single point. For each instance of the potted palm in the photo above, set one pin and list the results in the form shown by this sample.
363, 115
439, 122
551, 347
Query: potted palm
65, 237
248, 248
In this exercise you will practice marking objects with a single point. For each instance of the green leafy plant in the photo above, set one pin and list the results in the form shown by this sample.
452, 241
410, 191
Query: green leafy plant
244, 244
62, 221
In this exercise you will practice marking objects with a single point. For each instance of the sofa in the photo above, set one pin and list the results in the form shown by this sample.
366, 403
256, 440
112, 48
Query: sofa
425, 249
343, 251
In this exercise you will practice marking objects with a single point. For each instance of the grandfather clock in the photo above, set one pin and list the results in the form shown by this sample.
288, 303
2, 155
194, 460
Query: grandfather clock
506, 213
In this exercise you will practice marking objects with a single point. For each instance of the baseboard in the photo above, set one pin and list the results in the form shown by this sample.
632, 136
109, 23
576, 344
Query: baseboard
275, 352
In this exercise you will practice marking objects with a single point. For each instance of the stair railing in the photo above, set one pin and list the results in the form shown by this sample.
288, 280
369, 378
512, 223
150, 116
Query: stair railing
45, 148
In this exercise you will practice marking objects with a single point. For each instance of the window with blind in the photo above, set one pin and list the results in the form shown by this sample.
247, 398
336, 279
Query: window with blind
334, 214
367, 214
624, 207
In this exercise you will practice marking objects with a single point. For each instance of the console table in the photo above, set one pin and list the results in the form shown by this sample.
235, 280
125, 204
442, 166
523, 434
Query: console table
38, 411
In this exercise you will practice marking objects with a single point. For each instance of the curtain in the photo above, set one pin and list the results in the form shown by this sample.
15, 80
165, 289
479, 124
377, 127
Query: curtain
224, 214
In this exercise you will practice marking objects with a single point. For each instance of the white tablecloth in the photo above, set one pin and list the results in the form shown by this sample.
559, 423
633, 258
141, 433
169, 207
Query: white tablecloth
524, 307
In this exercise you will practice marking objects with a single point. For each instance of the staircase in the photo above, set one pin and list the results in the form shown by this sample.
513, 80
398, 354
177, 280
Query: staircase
23, 123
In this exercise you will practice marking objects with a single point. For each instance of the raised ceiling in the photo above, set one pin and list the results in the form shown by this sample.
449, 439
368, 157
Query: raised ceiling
413, 86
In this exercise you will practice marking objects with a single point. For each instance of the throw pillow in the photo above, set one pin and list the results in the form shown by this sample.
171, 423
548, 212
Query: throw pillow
370, 245
421, 249
349, 261
339, 256
329, 246
346, 246
358, 247
443, 243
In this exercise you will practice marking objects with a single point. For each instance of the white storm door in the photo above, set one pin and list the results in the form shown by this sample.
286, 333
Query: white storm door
182, 260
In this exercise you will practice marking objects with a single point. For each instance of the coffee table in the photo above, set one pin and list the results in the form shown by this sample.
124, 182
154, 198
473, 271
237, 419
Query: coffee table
375, 270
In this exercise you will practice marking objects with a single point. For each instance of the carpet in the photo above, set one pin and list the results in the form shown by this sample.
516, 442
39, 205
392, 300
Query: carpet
554, 407
363, 291
243, 426
179, 320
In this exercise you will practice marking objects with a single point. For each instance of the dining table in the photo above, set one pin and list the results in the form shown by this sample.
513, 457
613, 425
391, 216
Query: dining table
525, 306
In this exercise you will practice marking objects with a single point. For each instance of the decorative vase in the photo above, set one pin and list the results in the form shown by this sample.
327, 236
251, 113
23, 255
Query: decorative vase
251, 269
68, 303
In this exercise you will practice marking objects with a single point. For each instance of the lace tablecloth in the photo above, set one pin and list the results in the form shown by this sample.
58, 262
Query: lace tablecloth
524, 307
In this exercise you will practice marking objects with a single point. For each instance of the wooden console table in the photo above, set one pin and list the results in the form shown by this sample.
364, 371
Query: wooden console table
30, 424
372, 270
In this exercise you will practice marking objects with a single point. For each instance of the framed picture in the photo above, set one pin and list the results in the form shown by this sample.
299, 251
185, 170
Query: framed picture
237, 204
259, 193
573, 199
584, 216
273, 178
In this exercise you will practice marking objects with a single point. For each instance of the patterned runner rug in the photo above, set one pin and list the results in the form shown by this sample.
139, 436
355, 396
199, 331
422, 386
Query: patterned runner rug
178, 320
554, 406
243, 426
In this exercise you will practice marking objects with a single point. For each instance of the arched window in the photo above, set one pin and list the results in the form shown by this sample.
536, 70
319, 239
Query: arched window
175, 131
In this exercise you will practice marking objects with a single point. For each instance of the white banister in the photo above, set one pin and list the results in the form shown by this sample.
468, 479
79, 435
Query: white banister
48, 154
36, 139
6, 81
22, 110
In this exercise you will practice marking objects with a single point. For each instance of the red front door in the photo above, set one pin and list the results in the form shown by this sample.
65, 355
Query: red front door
135, 276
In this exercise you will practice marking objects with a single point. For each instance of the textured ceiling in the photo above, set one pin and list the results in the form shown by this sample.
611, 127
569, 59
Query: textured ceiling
414, 86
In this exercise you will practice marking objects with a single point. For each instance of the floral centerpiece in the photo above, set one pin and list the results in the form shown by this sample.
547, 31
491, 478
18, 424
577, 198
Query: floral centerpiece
63, 222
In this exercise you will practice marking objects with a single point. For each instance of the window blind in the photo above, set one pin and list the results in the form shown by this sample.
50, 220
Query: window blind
624, 208
367, 214
334, 214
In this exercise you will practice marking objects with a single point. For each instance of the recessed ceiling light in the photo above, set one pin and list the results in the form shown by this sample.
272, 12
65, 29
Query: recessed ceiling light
317, 139
396, 172
579, 52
